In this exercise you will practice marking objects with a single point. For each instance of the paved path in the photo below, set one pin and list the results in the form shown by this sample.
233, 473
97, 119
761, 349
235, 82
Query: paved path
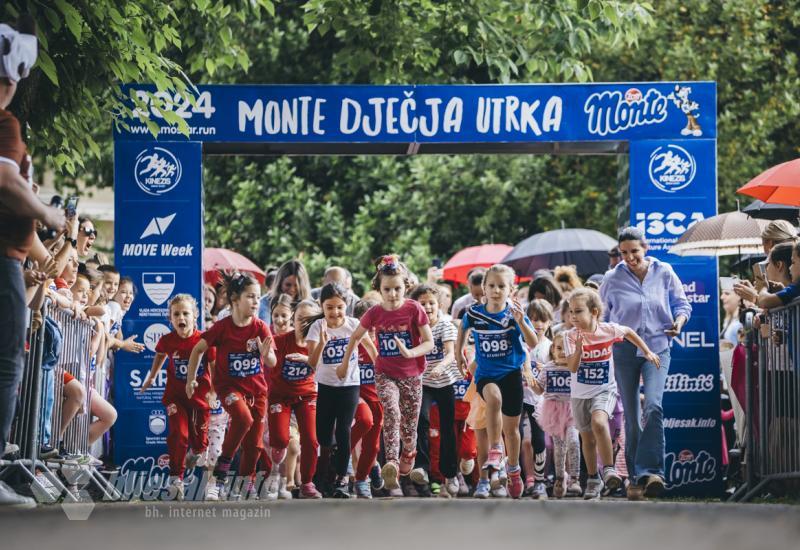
417, 524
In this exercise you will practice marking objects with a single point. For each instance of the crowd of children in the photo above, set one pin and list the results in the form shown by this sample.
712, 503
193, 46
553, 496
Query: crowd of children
400, 399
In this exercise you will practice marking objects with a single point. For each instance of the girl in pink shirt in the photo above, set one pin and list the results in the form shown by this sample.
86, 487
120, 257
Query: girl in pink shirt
404, 337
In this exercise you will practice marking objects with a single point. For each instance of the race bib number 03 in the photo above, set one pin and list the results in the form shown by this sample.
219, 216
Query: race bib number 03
295, 370
242, 365
334, 351
593, 374
367, 373
387, 346
495, 346
558, 382
182, 369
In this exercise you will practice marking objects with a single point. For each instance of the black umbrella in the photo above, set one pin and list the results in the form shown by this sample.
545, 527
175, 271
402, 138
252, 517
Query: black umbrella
766, 211
586, 249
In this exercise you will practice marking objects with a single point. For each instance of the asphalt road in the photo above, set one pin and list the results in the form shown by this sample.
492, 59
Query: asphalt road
407, 523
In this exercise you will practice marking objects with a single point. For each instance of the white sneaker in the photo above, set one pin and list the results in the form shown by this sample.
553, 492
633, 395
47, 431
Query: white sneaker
463, 488
594, 486
419, 476
451, 486
191, 460
271, 487
175, 491
212, 489
389, 474
44, 490
500, 492
283, 492
466, 466
10, 499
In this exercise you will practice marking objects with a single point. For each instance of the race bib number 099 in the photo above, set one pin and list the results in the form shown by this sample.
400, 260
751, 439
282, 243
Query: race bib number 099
242, 365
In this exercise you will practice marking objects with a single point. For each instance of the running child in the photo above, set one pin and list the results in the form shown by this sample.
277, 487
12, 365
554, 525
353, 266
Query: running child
501, 329
282, 314
188, 418
329, 335
404, 338
292, 389
555, 417
243, 343
369, 418
588, 348
438, 381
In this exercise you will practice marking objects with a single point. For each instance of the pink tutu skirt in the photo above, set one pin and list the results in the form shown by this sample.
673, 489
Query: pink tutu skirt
554, 417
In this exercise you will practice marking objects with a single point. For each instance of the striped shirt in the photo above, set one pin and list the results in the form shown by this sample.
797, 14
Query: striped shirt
443, 331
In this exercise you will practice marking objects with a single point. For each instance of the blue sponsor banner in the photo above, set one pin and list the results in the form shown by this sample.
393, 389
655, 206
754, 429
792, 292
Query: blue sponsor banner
435, 113
673, 185
159, 244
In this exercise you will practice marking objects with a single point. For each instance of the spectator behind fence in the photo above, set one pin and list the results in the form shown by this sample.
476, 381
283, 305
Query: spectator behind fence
776, 232
782, 283
19, 210
645, 294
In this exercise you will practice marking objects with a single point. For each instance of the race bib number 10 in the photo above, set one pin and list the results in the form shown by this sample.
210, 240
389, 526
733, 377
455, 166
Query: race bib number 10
242, 365
367, 373
593, 374
387, 346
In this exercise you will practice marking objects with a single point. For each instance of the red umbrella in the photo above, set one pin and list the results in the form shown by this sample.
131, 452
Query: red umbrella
780, 184
215, 259
485, 255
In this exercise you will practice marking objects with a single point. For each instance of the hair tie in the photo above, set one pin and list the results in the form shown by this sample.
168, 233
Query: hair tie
390, 262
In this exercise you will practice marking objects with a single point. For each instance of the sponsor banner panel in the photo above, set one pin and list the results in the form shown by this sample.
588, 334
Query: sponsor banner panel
436, 113
692, 465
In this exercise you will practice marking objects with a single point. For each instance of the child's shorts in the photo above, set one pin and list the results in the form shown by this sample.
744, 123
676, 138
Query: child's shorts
582, 409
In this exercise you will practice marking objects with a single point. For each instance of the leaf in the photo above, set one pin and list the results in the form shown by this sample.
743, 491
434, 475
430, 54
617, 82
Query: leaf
45, 63
460, 57
72, 18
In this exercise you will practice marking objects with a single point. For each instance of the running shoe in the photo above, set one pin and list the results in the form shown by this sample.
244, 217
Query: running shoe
443, 493
10, 499
283, 492
192, 460
44, 490
611, 479
558, 488
45, 452
362, 489
407, 463
463, 488
634, 492
494, 459
396, 492
435, 488
594, 485
483, 489
452, 486
515, 484
654, 486
309, 491
574, 489
466, 466
213, 489
271, 486
419, 476
500, 492
539, 491
375, 478
389, 474
176, 489
341, 488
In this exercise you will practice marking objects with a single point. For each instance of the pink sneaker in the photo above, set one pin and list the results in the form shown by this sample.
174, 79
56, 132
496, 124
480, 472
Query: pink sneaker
515, 485
309, 490
407, 462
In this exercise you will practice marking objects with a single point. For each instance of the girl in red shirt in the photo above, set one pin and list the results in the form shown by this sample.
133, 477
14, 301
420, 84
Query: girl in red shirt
292, 389
188, 417
243, 344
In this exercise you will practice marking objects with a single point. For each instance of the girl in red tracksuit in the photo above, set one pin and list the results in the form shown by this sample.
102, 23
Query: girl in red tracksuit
188, 417
368, 420
243, 343
292, 389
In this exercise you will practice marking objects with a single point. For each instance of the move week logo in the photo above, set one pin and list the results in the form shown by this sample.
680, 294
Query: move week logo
157, 171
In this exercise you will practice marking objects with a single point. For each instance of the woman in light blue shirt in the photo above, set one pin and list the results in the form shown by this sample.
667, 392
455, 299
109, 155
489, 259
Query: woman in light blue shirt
645, 294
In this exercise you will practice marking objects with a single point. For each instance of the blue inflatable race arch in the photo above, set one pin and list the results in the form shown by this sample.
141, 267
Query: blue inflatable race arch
668, 130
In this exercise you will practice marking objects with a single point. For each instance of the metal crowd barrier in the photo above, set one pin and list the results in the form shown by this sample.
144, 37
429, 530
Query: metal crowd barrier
773, 403
75, 359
